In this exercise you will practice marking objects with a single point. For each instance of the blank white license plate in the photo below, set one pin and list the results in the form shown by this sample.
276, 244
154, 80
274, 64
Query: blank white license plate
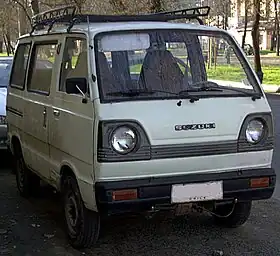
197, 192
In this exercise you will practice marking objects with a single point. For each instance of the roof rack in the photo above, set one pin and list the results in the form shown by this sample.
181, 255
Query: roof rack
58, 15
68, 15
190, 13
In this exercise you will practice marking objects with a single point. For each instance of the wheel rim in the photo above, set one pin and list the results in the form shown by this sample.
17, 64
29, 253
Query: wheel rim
20, 174
72, 213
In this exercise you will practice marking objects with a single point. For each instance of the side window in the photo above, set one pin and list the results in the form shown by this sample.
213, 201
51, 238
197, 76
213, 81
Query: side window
42, 67
20, 66
74, 64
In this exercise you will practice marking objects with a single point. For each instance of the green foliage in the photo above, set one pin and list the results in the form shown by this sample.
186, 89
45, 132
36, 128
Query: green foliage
234, 73
265, 52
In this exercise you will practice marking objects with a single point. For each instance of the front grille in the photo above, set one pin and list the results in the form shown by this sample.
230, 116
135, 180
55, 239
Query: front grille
109, 155
192, 150
184, 150
244, 146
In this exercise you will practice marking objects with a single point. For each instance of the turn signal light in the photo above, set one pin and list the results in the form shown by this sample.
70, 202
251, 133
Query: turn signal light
127, 194
260, 182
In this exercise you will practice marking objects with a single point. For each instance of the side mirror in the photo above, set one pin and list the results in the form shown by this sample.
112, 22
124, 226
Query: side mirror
76, 85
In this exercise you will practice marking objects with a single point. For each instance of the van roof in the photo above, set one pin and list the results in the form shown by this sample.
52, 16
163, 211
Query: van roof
95, 28
65, 20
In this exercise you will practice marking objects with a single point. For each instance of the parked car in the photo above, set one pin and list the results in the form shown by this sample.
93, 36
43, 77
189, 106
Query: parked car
248, 49
129, 118
5, 69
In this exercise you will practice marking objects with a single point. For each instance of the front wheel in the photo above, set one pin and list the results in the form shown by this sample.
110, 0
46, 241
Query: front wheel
28, 183
82, 225
233, 217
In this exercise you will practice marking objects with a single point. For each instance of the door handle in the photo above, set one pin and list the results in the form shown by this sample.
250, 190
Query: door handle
45, 117
56, 112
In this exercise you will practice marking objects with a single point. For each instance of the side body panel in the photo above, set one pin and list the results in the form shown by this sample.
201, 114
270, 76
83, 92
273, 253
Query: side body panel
71, 135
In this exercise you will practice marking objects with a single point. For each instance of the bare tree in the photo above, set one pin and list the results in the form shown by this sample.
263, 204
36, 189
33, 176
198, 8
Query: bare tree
247, 5
34, 6
23, 6
220, 12
119, 5
256, 38
276, 25
156, 6
8, 27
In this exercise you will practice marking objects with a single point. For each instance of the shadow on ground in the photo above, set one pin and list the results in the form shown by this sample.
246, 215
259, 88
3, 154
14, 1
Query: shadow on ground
35, 226
6, 160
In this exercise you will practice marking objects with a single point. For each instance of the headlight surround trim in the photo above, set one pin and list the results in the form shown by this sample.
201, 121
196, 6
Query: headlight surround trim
105, 151
266, 141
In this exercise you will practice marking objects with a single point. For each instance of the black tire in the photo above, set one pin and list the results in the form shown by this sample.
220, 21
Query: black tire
237, 218
82, 225
28, 183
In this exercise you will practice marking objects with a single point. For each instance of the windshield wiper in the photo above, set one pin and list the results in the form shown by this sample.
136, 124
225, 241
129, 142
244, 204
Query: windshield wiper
205, 86
254, 96
138, 92
201, 89
130, 93
212, 86
135, 92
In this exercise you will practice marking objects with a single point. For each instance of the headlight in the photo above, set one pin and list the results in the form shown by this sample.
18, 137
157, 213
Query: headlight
3, 120
123, 140
254, 131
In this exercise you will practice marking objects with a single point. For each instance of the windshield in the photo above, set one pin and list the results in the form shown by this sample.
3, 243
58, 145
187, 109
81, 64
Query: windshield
164, 64
5, 69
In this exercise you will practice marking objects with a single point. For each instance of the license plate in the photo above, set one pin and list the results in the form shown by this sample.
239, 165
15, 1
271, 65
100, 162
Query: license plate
197, 192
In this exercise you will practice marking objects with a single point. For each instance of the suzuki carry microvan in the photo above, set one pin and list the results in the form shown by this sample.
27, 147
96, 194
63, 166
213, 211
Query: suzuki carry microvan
138, 114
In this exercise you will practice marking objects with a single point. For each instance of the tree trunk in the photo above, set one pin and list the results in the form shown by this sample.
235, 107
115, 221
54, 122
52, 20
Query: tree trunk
6, 45
227, 14
156, 6
272, 46
277, 27
8, 38
278, 41
22, 21
256, 39
1, 46
118, 5
245, 24
34, 6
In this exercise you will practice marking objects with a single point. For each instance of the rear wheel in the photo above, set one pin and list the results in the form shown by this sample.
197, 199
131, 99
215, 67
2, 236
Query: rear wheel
28, 183
234, 217
82, 225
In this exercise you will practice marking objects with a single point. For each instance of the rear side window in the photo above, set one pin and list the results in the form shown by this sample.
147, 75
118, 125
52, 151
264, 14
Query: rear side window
74, 62
41, 67
20, 66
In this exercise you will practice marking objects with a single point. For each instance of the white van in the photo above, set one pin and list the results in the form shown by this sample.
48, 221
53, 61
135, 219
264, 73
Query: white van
135, 114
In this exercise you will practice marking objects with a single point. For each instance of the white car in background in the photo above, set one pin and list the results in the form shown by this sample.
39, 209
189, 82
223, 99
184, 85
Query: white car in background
5, 69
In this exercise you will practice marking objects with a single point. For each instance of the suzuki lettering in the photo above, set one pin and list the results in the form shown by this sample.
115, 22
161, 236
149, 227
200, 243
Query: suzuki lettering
187, 127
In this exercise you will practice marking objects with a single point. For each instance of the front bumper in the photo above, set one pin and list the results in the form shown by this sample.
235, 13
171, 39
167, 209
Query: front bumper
157, 190
3, 136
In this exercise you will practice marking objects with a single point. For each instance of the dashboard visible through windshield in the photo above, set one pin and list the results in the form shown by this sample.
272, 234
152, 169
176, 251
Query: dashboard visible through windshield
155, 64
